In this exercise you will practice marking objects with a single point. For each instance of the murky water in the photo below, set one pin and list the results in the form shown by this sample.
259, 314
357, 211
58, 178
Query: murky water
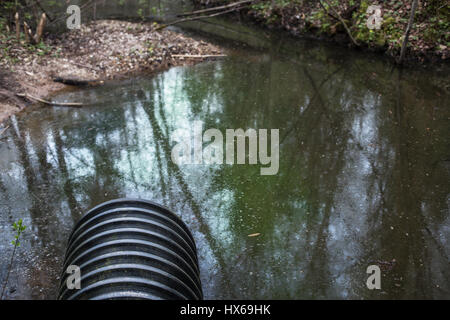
364, 173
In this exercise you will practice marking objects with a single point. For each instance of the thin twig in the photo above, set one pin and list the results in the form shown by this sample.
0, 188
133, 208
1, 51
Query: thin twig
3, 131
214, 8
342, 21
328, 13
43, 10
68, 104
84, 66
198, 18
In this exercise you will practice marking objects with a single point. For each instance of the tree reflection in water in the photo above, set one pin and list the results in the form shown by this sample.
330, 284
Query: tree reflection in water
363, 176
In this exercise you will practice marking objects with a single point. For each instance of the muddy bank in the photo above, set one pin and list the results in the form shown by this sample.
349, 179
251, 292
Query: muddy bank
100, 51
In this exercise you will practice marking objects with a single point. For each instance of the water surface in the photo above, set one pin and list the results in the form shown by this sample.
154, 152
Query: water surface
364, 173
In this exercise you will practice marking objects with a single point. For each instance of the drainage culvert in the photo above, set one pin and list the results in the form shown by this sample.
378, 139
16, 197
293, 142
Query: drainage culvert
132, 249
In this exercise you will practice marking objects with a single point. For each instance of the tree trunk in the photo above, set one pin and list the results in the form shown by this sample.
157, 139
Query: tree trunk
408, 30
17, 26
40, 28
28, 35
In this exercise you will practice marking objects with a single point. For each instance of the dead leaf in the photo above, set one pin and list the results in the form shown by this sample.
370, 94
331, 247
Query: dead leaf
254, 234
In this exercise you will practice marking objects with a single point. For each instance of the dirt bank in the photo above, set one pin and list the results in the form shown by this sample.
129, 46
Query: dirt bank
102, 50
429, 40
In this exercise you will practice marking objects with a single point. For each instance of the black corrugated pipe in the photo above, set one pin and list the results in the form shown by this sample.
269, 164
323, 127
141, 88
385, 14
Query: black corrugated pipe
132, 249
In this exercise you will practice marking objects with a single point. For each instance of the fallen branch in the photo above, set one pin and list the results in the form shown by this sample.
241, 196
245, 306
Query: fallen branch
408, 30
214, 9
84, 66
3, 131
341, 20
64, 104
198, 18
200, 56
328, 13
9, 95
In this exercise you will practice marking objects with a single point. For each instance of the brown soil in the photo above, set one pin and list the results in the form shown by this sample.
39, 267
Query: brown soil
102, 50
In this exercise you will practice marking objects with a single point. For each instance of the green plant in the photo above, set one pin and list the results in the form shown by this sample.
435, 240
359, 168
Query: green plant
19, 228
140, 13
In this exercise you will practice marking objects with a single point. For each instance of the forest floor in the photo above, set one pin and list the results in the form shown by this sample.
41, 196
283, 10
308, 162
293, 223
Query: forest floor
429, 40
101, 50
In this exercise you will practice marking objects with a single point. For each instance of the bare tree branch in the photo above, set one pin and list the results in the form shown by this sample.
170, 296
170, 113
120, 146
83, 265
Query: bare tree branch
215, 8
199, 17
341, 20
